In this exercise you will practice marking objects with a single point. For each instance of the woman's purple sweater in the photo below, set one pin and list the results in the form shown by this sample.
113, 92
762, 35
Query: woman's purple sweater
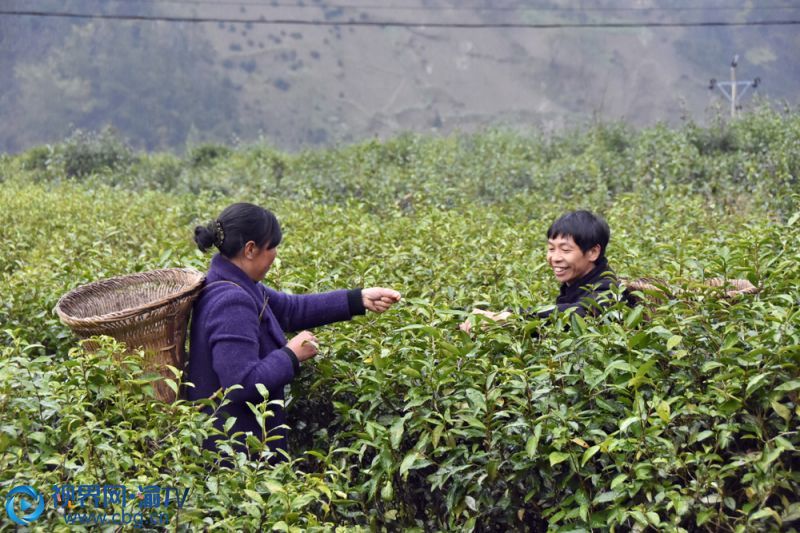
237, 337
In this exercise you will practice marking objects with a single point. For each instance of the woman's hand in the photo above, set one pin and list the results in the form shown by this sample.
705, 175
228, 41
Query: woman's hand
304, 345
497, 317
378, 299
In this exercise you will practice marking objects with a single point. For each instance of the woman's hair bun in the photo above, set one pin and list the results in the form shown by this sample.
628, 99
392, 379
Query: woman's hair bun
237, 225
204, 237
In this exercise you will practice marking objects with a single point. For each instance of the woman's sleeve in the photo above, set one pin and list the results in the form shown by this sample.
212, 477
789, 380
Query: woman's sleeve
233, 338
297, 312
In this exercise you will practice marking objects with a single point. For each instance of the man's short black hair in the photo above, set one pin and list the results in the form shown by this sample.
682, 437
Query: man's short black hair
585, 228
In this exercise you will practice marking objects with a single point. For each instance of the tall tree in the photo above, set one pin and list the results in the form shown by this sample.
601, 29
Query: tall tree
152, 81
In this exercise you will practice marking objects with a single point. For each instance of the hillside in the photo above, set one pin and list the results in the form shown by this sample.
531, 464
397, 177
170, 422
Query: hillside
318, 85
307, 85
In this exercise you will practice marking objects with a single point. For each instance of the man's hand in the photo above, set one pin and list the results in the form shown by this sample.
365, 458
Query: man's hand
304, 345
497, 317
379, 299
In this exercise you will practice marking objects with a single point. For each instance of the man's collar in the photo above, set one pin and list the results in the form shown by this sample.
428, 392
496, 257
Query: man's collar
600, 266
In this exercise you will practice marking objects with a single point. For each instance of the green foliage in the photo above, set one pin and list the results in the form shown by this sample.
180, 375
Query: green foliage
85, 153
607, 426
94, 419
154, 84
37, 158
754, 159
719, 138
678, 416
205, 154
159, 171
80, 155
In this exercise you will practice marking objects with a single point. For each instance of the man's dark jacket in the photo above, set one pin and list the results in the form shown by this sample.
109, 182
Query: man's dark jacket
586, 294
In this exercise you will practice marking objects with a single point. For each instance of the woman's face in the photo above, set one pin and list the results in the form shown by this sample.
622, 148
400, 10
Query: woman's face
262, 261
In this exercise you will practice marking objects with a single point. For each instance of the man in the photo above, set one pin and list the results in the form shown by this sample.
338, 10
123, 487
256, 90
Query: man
576, 246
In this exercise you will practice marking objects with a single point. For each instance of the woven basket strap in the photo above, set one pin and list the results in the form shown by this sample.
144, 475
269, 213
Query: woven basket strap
266, 298
222, 281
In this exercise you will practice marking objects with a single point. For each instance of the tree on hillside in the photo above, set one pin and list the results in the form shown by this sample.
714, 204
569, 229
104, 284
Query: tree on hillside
152, 81
23, 39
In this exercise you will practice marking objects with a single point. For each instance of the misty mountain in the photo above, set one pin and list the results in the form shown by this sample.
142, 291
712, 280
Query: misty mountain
164, 84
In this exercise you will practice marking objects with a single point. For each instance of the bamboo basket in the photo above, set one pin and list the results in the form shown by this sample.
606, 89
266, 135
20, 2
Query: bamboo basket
659, 289
147, 310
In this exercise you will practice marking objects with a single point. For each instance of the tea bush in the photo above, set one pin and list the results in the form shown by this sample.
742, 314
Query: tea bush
678, 415
205, 154
93, 419
85, 153
461, 171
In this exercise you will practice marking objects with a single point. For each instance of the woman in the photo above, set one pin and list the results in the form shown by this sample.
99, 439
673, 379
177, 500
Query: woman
238, 324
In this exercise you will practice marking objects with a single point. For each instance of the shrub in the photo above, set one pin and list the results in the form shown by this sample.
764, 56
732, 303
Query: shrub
719, 138
206, 154
159, 171
37, 158
681, 417
93, 420
84, 153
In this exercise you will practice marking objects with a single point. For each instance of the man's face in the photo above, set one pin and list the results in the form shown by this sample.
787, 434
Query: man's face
568, 261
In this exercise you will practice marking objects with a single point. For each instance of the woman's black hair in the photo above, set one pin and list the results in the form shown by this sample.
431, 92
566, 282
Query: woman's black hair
585, 228
235, 226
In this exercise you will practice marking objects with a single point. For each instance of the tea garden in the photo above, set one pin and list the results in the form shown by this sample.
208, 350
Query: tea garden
678, 415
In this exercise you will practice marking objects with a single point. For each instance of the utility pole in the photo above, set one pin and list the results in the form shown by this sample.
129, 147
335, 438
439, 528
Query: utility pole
733, 86
732, 94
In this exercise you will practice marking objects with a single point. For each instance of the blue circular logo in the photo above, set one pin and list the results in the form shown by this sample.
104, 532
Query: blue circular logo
24, 504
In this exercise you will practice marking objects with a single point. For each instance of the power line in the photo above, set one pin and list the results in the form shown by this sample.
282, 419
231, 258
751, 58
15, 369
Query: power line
405, 24
454, 8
